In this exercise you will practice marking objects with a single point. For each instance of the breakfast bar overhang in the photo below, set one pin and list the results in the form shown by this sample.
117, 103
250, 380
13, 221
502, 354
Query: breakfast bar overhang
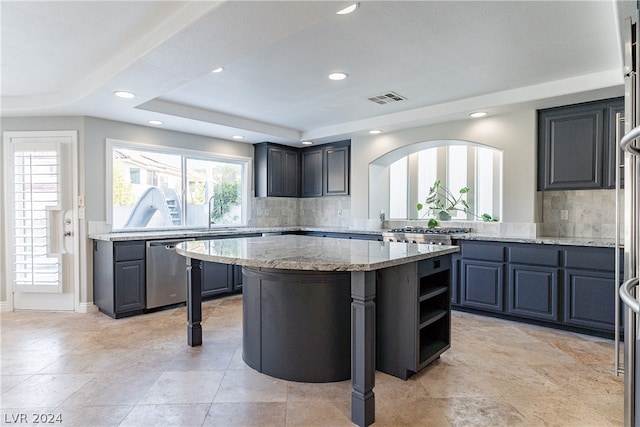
360, 258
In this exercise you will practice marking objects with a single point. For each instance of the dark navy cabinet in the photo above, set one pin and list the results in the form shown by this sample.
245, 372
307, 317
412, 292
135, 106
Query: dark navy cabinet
615, 115
533, 292
533, 282
482, 276
571, 287
216, 278
119, 277
413, 315
325, 170
575, 145
311, 173
276, 170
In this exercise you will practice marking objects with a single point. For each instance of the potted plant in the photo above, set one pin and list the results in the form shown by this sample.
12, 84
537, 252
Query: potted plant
441, 201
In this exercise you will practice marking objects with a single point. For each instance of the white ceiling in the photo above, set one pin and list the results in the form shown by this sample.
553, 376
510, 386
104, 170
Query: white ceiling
446, 58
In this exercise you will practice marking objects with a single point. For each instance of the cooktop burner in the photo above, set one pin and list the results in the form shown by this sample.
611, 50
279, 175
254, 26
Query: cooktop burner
430, 230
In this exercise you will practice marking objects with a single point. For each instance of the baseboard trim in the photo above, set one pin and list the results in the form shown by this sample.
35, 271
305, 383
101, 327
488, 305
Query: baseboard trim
5, 306
86, 307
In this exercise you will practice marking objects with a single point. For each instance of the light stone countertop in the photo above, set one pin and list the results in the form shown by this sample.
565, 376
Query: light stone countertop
215, 232
292, 252
239, 231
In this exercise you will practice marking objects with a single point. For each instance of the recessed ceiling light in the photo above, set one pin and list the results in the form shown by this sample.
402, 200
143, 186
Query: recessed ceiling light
477, 114
124, 94
307, 143
375, 131
237, 137
155, 122
337, 76
348, 9
218, 70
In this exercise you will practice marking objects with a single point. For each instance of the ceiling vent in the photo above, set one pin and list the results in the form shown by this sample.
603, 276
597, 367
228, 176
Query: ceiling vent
386, 98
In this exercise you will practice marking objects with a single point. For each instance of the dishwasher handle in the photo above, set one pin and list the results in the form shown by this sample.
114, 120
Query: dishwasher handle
169, 245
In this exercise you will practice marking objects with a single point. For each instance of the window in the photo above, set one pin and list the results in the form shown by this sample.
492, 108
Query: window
412, 170
164, 188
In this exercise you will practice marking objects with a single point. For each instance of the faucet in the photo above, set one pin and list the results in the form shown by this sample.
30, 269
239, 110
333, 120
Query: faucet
211, 199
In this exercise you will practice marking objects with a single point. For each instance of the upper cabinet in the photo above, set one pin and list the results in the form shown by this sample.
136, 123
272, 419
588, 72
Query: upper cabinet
316, 171
276, 170
325, 170
577, 145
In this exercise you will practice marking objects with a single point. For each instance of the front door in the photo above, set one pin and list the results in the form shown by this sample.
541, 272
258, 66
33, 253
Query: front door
42, 246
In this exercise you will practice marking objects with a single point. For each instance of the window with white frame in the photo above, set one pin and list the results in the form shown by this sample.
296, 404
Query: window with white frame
153, 187
456, 165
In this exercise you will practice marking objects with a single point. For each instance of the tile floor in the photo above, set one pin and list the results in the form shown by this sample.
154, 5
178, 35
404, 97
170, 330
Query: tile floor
91, 370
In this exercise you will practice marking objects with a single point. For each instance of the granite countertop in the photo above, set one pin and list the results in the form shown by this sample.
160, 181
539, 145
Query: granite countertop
564, 241
292, 252
205, 232
239, 231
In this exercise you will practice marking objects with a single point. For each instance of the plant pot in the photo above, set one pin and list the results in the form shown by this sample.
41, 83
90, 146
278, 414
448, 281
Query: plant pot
444, 216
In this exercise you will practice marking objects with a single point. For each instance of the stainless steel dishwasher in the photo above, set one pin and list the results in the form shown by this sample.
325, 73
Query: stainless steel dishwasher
166, 273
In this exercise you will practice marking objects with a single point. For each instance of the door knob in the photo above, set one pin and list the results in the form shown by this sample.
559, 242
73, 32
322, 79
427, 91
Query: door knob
67, 233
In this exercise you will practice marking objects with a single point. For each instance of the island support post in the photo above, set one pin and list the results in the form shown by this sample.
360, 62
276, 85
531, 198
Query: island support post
363, 346
194, 302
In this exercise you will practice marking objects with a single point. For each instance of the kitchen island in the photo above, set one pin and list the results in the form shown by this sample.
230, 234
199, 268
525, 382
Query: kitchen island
305, 254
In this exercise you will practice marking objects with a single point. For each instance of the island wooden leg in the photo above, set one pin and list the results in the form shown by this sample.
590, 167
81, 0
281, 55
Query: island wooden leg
194, 302
363, 347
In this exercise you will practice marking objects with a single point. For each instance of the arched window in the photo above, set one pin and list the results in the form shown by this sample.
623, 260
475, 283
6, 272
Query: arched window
402, 178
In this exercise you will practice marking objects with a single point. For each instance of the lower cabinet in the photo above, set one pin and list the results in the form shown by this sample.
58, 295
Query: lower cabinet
482, 285
586, 293
564, 286
216, 278
119, 277
413, 314
533, 292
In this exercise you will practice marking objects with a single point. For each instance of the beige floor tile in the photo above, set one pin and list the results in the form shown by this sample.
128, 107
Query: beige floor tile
94, 416
185, 415
183, 387
113, 389
44, 390
247, 414
340, 390
333, 413
481, 411
554, 411
418, 412
139, 372
251, 386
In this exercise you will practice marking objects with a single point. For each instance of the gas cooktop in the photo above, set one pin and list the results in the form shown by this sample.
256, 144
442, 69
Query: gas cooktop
443, 230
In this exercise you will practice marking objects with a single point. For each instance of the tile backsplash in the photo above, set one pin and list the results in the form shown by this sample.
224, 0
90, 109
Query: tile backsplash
332, 211
579, 213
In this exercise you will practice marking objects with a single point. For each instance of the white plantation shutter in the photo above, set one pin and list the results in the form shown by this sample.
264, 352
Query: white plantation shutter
37, 197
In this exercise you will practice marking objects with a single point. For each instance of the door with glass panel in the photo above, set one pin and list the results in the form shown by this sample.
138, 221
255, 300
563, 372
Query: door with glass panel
41, 222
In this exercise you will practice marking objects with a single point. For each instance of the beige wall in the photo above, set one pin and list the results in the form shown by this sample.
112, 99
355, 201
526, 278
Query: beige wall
92, 135
514, 134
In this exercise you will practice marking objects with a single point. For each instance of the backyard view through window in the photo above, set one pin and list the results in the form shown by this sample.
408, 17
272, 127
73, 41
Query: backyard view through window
154, 189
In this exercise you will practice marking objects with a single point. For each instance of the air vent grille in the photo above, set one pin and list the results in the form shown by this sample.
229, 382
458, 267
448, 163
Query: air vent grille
386, 98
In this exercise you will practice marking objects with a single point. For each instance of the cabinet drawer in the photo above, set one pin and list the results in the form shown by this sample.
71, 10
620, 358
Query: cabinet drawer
534, 255
590, 258
485, 252
129, 251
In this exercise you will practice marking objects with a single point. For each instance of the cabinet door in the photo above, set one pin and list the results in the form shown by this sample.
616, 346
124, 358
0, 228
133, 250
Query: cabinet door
615, 115
291, 176
129, 282
336, 171
533, 292
311, 173
275, 172
570, 148
237, 277
589, 299
482, 285
216, 278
